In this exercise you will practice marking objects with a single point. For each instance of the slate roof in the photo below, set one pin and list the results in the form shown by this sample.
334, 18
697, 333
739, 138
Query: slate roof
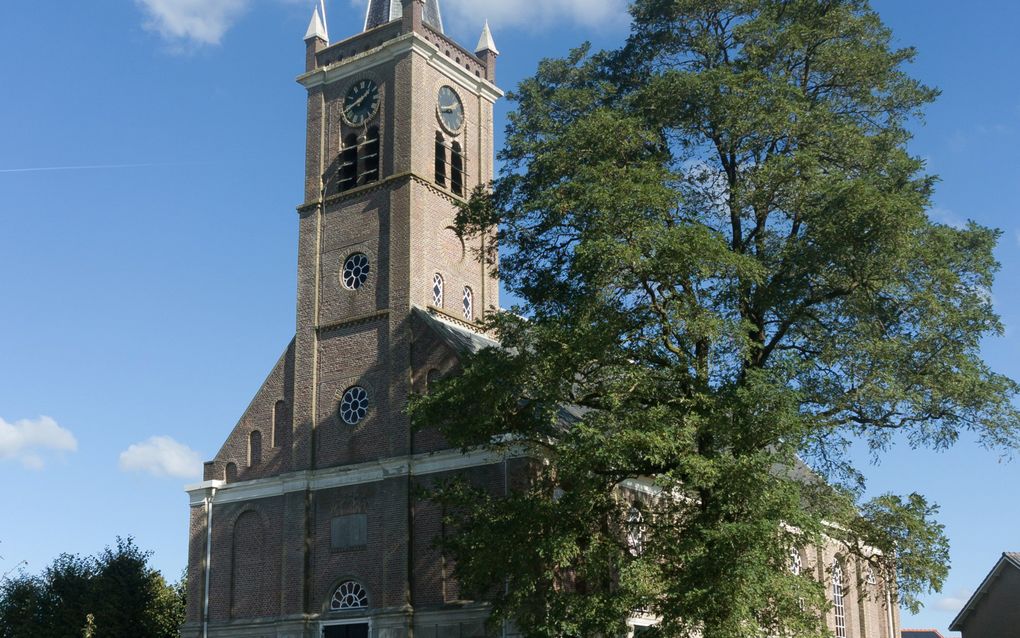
463, 339
457, 337
382, 11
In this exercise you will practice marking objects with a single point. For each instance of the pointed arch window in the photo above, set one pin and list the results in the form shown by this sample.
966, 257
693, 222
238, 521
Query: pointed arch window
839, 608
370, 157
437, 290
457, 169
635, 531
440, 159
870, 578
348, 177
469, 303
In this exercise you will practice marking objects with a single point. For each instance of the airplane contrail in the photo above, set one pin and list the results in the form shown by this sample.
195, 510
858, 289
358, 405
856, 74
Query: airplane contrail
41, 169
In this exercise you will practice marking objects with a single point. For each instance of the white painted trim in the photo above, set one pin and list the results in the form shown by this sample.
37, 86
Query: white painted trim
347, 621
645, 487
345, 476
410, 42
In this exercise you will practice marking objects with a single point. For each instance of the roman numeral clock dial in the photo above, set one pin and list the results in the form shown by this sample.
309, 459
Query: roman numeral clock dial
450, 109
361, 102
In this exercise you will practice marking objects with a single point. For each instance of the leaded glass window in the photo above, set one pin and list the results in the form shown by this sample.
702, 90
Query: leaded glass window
796, 563
354, 405
356, 270
837, 599
635, 532
469, 304
437, 290
350, 595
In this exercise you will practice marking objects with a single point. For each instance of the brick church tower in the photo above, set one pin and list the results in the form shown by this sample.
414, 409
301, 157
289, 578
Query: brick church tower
308, 522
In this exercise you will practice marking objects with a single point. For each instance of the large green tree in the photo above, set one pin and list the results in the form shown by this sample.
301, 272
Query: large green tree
113, 595
721, 245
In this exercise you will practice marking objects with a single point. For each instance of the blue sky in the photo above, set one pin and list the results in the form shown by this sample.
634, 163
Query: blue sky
150, 297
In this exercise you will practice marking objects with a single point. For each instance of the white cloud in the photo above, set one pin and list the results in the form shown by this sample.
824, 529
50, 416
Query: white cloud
197, 21
205, 22
535, 13
27, 440
947, 217
163, 457
953, 604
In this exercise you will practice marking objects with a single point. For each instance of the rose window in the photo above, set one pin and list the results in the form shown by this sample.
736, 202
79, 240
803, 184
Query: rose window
354, 405
356, 271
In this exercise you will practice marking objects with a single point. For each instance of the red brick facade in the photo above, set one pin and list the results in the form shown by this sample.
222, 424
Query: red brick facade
292, 467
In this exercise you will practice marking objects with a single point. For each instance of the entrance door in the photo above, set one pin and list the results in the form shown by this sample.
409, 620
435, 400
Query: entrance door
346, 631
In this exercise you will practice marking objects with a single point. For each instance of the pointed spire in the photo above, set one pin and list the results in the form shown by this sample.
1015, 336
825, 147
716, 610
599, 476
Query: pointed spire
317, 28
486, 43
382, 11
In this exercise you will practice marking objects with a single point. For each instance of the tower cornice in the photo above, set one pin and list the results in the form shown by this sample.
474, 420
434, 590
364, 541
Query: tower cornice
407, 43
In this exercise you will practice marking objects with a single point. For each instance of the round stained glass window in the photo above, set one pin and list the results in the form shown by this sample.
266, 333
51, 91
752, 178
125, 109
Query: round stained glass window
349, 595
354, 405
356, 271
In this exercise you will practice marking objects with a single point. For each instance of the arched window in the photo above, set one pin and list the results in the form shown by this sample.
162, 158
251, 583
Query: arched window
457, 169
349, 163
430, 378
370, 157
469, 304
349, 595
869, 575
254, 448
279, 422
838, 607
796, 563
437, 290
440, 159
635, 532
230, 473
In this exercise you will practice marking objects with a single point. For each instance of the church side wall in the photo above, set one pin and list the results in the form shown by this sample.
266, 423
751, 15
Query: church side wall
866, 613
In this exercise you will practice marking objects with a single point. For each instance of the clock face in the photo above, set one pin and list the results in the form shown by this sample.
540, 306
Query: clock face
451, 109
361, 102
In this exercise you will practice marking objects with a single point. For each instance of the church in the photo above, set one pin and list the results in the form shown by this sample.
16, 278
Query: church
309, 522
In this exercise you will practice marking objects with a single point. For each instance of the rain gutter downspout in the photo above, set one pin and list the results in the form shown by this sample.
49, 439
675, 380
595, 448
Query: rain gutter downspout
208, 560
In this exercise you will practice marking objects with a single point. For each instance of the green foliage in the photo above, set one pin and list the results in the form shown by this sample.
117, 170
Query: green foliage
112, 595
722, 246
